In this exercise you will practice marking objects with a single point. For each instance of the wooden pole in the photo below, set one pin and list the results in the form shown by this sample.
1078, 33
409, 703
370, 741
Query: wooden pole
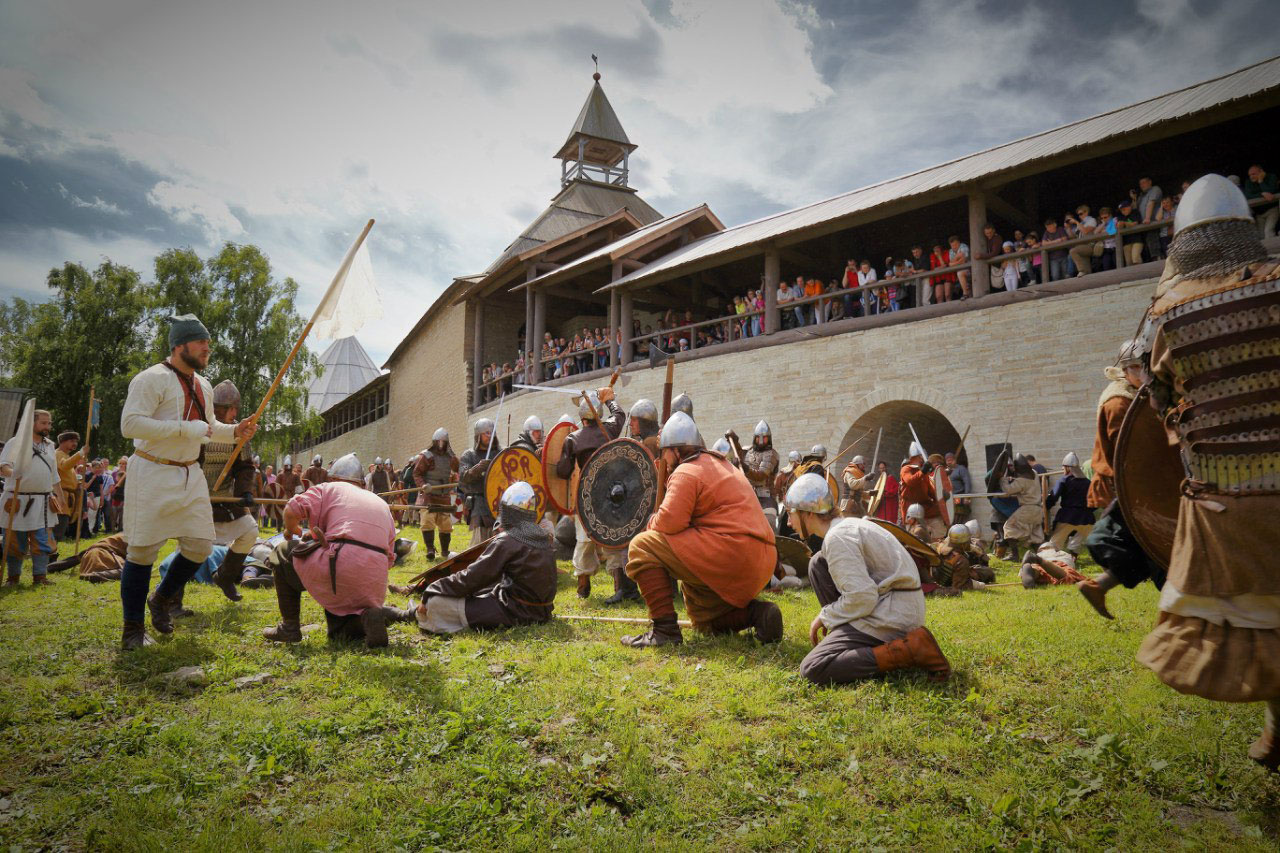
439, 487
852, 445
262, 407
617, 620
13, 514
88, 431
231, 499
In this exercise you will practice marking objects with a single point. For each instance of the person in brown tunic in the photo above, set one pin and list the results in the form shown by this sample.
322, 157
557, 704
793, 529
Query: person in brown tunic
316, 474
1214, 334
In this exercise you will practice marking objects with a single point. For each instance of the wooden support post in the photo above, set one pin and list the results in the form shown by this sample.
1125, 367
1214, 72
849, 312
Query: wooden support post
529, 342
772, 275
615, 310
979, 271
625, 319
477, 352
539, 332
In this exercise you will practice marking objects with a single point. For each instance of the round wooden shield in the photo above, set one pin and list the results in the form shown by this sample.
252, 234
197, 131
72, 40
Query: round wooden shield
561, 493
913, 544
795, 553
835, 488
1149, 476
942, 488
617, 493
512, 465
877, 495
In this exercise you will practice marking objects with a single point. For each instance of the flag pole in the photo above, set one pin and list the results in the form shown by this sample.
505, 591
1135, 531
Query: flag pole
88, 431
338, 277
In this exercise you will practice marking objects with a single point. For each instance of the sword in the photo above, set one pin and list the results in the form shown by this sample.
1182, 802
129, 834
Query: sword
875, 455
573, 391
494, 435
918, 441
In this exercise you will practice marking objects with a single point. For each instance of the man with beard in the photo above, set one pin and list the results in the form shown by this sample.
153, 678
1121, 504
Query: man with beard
315, 475
342, 560
436, 466
872, 607
166, 414
512, 583
709, 535
530, 437
29, 513
760, 465
579, 445
68, 459
1026, 525
858, 482
233, 523
917, 488
1212, 331
472, 468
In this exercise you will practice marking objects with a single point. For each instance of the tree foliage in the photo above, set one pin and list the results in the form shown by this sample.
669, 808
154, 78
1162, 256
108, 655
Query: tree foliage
102, 327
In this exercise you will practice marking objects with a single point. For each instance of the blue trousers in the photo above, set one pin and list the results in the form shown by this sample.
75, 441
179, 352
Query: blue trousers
39, 560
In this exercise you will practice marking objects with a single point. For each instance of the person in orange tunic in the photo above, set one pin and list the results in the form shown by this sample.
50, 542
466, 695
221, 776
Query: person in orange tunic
711, 535
917, 488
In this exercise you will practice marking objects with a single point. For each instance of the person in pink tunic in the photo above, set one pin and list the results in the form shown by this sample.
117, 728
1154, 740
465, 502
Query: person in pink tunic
341, 560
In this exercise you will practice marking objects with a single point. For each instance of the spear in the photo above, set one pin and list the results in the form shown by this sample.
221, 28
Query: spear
338, 279
88, 431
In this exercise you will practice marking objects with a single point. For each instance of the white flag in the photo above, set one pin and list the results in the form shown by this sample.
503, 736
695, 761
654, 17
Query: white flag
351, 300
17, 450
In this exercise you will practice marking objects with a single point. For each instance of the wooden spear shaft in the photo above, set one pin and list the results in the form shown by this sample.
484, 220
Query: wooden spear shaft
262, 407
435, 488
88, 431
283, 501
619, 620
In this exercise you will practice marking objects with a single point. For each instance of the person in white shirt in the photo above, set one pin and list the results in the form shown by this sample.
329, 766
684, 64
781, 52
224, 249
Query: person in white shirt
869, 587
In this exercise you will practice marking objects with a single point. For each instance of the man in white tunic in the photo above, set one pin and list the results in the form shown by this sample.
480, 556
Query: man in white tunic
169, 417
869, 588
32, 514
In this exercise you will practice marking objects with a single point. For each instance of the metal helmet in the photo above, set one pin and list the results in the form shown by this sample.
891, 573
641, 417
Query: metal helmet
794, 457
441, 434
532, 423
975, 530
1212, 198
482, 425
682, 403
377, 460
566, 418
257, 460
589, 412
521, 496
644, 410
762, 429
915, 511
809, 493
860, 461
958, 534
1071, 460
722, 446
679, 431
225, 393
1130, 353
1021, 467
317, 459
819, 450
347, 468
915, 450
288, 461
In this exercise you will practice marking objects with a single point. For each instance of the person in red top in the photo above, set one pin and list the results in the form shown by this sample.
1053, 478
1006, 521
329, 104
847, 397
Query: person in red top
917, 488
942, 284
710, 534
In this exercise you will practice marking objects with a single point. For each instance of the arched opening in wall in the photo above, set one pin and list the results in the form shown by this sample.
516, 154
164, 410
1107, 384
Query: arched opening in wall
896, 419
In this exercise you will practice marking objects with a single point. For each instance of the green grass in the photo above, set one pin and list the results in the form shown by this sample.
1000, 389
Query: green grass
1049, 735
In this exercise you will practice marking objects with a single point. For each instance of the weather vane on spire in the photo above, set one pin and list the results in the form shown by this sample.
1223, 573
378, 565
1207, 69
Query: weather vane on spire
596, 60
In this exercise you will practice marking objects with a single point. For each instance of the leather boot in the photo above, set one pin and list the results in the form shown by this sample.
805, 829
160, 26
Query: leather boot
444, 544
625, 589
41, 580
584, 586
159, 607
288, 631
1096, 596
176, 610
429, 539
1266, 749
665, 632
134, 636
766, 620
391, 613
917, 650
258, 579
228, 574
374, 622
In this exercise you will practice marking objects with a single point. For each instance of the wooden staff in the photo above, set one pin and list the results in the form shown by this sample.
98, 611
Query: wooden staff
13, 505
417, 489
619, 620
262, 407
852, 445
231, 499
88, 431
960, 446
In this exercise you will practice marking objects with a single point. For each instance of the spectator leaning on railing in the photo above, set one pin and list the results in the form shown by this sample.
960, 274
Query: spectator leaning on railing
1057, 257
1082, 225
1147, 205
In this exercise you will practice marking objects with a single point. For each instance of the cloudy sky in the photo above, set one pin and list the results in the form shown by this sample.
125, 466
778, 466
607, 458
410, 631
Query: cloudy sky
131, 126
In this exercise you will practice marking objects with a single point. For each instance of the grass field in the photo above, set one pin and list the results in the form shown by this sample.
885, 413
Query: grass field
1049, 735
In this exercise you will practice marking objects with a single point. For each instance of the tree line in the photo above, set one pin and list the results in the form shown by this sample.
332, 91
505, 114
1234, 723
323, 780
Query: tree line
101, 327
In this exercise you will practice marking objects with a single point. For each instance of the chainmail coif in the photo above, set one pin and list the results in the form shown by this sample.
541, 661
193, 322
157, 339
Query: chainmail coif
522, 526
1216, 248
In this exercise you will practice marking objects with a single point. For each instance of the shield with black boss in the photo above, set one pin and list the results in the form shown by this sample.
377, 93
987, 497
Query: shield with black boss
617, 492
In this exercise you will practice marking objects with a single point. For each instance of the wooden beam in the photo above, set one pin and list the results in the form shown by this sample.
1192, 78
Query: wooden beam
1008, 211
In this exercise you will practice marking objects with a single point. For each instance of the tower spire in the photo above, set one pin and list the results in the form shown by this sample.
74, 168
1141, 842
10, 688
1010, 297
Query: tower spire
597, 149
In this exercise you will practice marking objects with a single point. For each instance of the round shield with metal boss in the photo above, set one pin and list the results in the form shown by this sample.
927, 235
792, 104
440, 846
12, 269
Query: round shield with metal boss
513, 465
560, 492
617, 493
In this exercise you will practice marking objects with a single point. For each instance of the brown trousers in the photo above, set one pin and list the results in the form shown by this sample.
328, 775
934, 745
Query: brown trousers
652, 563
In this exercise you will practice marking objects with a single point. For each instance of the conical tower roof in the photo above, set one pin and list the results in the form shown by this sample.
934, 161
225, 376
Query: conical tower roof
599, 127
345, 368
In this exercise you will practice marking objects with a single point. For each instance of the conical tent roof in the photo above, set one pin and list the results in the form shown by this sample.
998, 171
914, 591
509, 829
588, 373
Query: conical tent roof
598, 119
344, 369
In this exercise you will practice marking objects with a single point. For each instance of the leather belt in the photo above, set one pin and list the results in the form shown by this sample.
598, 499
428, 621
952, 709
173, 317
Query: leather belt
533, 603
147, 456
333, 556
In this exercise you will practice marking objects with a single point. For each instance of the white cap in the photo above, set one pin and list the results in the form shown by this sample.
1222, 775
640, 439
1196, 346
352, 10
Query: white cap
1212, 198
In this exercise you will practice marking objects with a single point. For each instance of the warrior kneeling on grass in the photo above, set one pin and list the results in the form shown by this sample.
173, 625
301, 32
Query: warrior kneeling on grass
513, 582
869, 588
342, 560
